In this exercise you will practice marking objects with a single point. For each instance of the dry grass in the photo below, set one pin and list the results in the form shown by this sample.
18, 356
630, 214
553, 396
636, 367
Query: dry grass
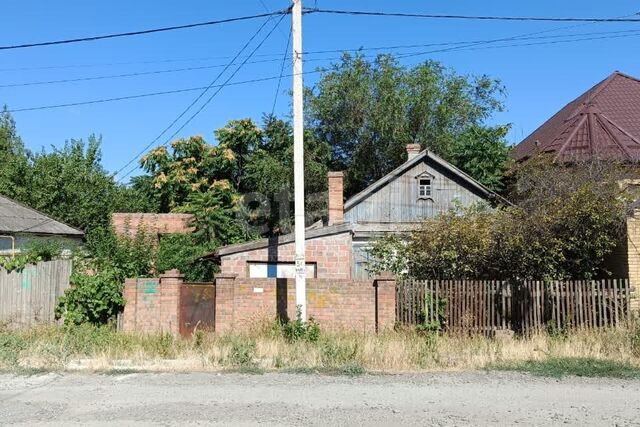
266, 348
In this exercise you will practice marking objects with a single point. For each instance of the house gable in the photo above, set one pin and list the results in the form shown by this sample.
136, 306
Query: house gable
395, 200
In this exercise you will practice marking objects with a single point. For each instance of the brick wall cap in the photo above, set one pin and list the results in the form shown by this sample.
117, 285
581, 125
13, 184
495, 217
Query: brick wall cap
335, 174
384, 276
225, 276
171, 274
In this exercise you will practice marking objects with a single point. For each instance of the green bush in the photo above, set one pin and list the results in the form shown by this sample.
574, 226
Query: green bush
93, 299
10, 347
95, 295
35, 251
298, 330
182, 252
242, 352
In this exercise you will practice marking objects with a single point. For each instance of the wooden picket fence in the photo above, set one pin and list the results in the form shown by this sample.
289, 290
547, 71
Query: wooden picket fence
526, 307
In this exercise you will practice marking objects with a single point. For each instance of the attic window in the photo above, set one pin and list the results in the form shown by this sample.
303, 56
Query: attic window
424, 187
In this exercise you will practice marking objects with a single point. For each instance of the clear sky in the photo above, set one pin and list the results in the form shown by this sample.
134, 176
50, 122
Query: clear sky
539, 79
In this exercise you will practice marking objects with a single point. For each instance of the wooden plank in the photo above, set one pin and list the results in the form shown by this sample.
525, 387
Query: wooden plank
579, 304
615, 302
605, 303
627, 299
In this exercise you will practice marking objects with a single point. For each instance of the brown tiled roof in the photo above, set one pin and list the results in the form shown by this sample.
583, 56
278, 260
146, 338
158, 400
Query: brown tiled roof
603, 122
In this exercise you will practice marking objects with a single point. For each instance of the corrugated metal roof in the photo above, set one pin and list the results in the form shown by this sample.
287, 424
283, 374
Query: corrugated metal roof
603, 122
17, 218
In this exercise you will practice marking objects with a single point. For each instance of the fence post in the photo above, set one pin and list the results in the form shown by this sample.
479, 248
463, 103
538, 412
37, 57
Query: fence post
225, 301
385, 301
129, 315
170, 284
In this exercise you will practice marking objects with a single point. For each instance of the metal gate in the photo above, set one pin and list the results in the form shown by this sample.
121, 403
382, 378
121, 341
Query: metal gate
197, 307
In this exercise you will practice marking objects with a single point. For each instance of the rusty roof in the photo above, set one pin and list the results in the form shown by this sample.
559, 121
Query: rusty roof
603, 122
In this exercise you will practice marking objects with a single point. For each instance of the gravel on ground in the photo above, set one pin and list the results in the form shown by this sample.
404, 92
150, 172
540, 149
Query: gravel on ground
470, 398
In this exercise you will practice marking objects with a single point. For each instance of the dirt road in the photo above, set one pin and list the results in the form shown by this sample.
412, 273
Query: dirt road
281, 399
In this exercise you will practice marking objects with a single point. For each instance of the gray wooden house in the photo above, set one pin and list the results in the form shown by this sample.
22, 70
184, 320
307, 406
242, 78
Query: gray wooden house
423, 187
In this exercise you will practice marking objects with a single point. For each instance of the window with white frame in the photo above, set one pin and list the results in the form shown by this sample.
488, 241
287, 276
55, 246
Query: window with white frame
424, 187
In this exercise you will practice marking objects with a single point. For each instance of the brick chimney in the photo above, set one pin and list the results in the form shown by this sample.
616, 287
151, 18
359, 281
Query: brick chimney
412, 151
336, 197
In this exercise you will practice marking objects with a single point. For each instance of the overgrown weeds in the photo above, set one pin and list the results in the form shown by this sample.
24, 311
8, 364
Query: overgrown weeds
270, 348
558, 367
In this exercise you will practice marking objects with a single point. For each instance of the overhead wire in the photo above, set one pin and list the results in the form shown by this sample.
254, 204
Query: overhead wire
467, 47
141, 32
219, 88
284, 61
198, 111
213, 95
469, 17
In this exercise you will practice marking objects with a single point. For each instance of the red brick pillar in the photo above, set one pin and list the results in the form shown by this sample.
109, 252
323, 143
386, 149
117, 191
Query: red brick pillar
170, 284
130, 306
225, 302
385, 289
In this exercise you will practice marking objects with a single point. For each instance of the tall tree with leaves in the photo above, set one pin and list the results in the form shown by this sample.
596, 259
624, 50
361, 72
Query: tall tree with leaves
483, 153
13, 158
70, 184
369, 110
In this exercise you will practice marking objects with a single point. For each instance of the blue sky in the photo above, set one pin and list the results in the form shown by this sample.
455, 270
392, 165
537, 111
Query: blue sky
539, 79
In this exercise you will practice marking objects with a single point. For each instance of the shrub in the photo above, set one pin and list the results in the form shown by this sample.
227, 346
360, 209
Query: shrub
298, 330
35, 251
95, 295
10, 347
182, 252
242, 352
93, 299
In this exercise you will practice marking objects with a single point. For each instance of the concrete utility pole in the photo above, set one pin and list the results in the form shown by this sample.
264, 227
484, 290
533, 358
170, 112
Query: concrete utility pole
298, 157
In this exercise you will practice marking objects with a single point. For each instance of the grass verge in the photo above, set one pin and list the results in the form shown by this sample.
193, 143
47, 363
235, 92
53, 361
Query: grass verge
559, 367
268, 348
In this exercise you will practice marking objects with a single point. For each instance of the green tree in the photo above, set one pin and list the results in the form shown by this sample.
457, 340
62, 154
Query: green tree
369, 110
13, 158
70, 184
269, 175
197, 178
483, 153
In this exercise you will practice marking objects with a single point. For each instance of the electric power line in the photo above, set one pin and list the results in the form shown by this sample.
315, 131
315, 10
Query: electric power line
210, 86
468, 17
470, 46
284, 61
213, 95
197, 112
125, 75
141, 32
572, 37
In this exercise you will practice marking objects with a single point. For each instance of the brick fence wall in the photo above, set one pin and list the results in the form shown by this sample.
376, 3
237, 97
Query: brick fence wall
171, 223
364, 306
153, 305
633, 256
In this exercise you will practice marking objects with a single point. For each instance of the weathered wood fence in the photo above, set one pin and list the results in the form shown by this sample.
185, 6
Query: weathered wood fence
29, 296
487, 306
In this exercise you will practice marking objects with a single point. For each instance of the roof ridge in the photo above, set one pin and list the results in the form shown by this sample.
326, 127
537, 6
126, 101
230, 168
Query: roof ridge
628, 76
599, 87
